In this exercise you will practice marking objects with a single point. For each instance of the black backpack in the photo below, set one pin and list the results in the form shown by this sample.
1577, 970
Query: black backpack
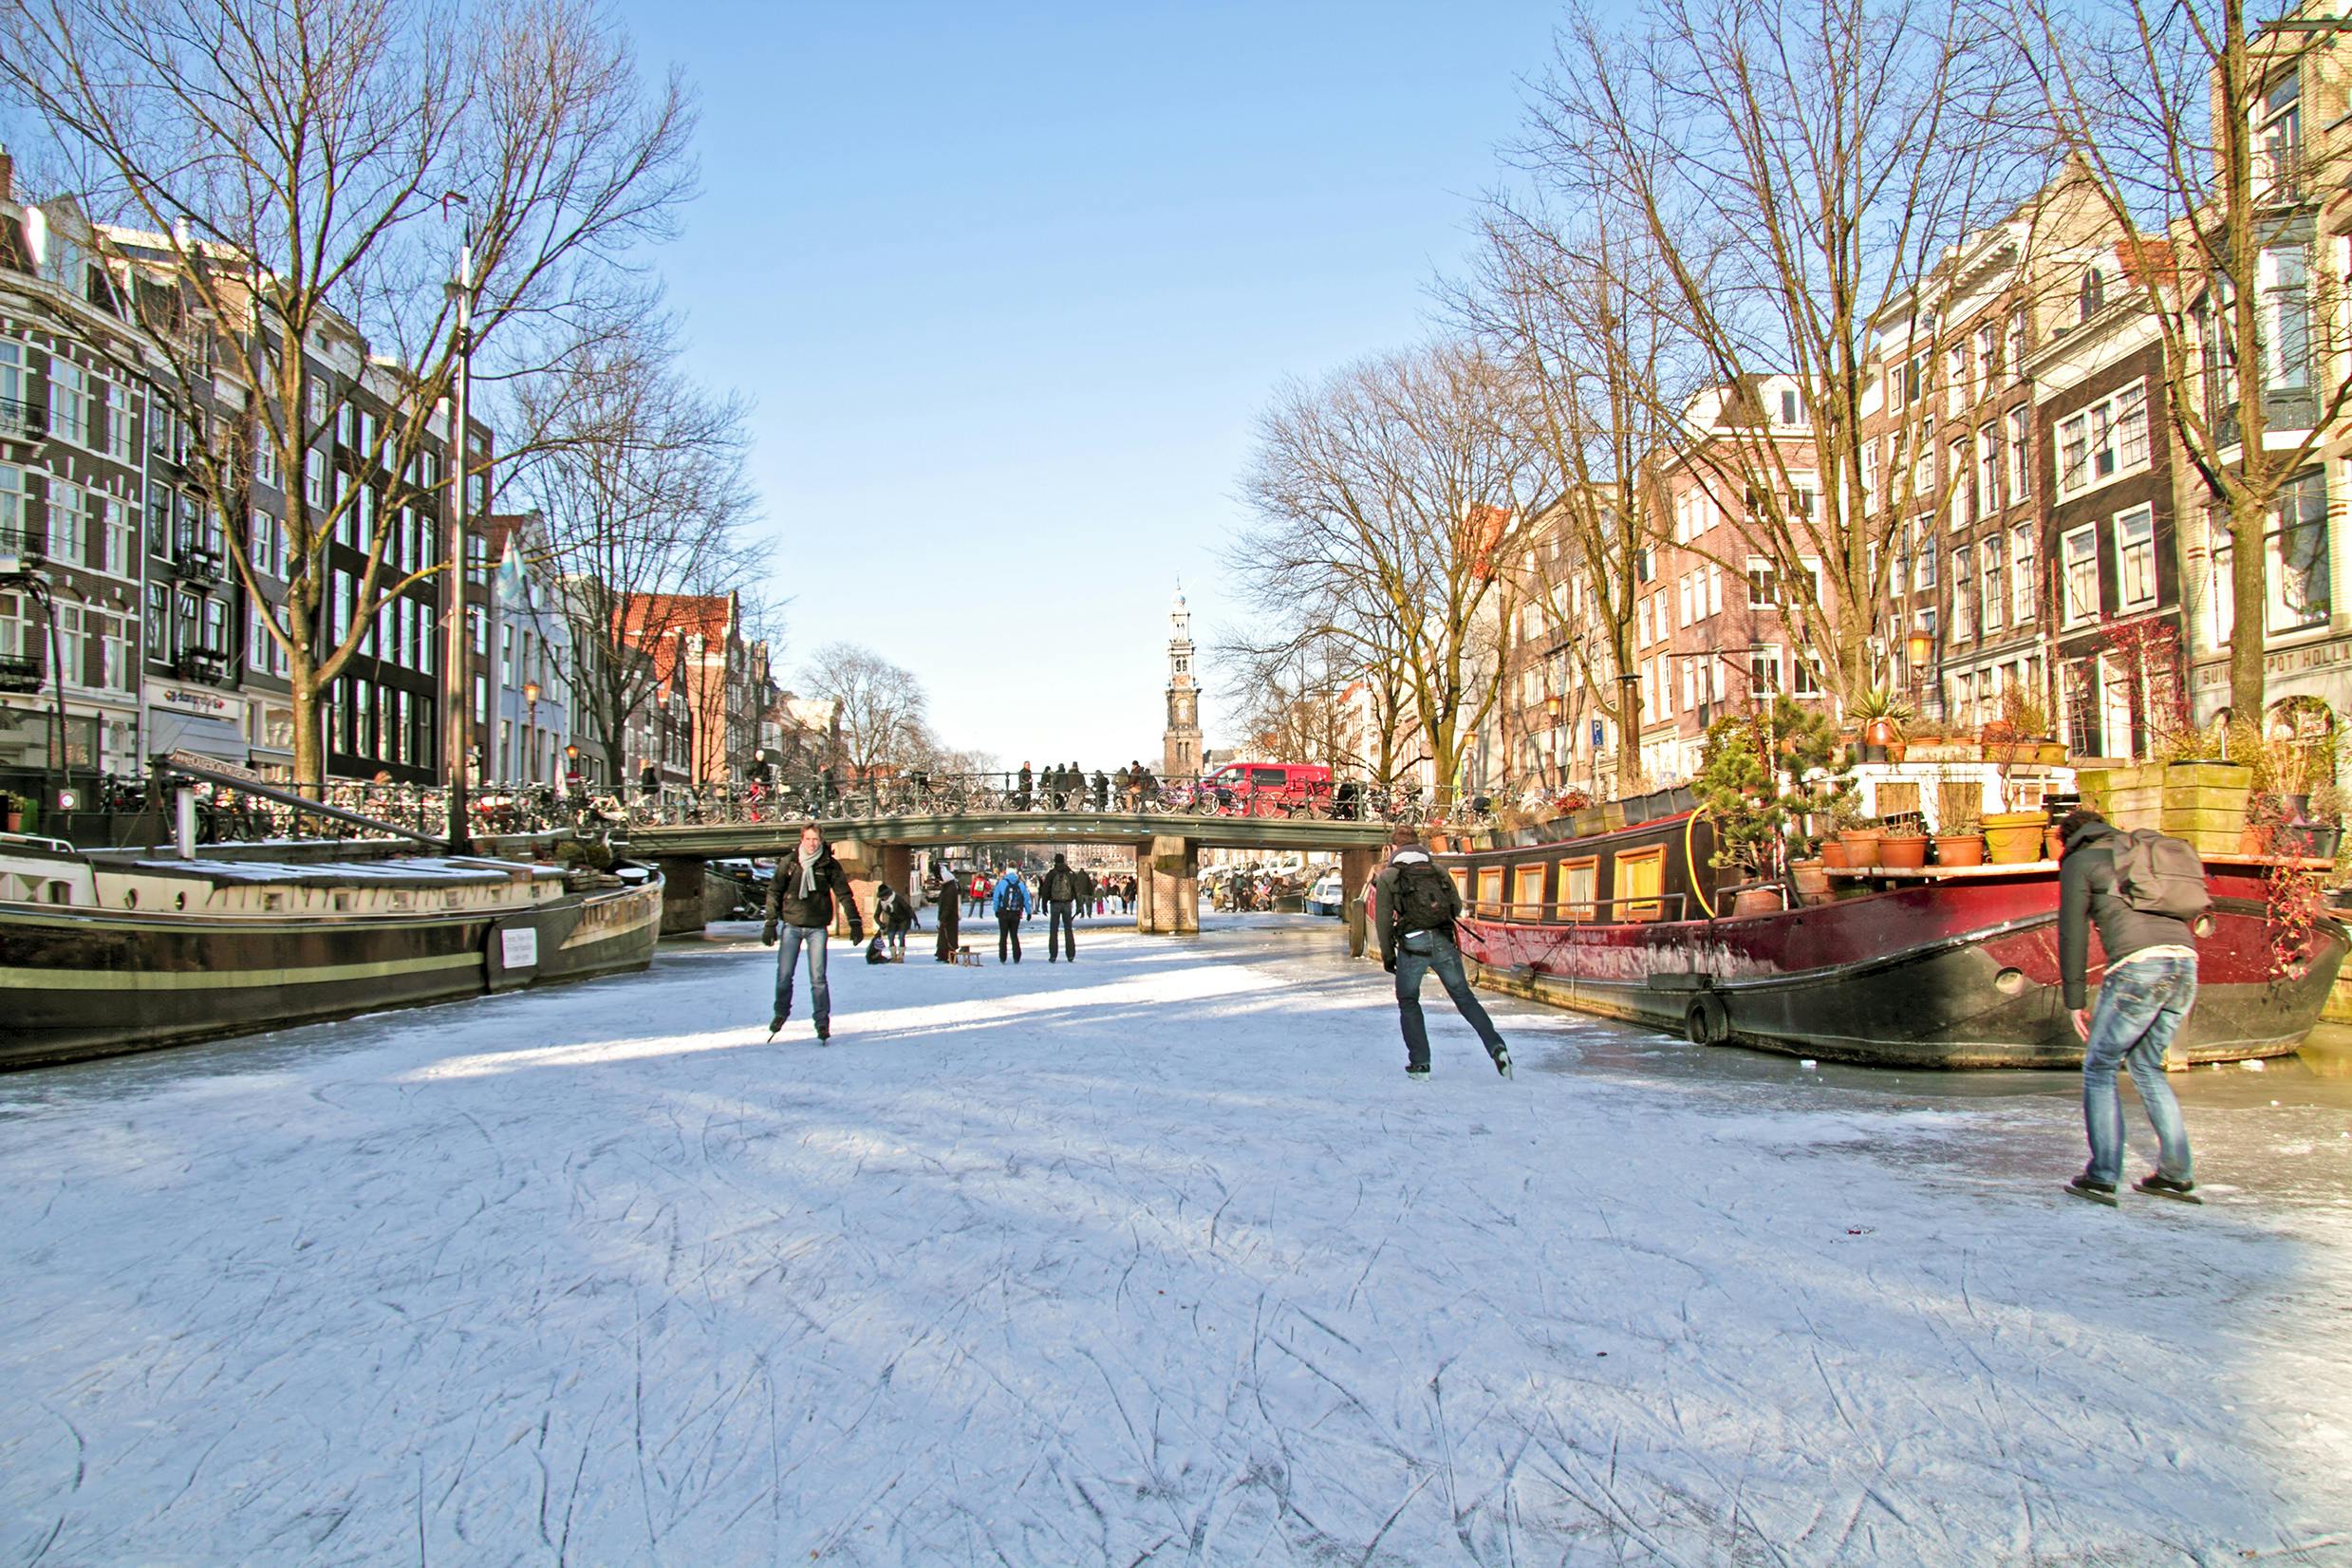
2159, 875
1426, 899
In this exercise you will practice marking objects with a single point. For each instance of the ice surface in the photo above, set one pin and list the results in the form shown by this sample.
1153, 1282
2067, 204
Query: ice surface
1155, 1257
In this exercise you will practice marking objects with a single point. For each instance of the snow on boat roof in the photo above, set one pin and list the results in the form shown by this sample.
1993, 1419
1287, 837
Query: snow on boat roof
407, 870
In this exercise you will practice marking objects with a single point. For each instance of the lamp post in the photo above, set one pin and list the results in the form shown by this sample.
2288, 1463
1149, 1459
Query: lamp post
457, 714
1918, 649
531, 729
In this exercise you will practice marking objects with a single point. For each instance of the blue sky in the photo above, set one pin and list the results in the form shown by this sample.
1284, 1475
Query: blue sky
1009, 284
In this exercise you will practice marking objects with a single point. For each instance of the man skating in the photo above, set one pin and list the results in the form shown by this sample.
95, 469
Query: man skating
800, 899
2143, 912
1012, 900
1414, 908
1063, 887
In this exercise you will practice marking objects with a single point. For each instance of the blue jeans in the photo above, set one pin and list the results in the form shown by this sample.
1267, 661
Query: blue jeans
2140, 1007
1417, 953
788, 960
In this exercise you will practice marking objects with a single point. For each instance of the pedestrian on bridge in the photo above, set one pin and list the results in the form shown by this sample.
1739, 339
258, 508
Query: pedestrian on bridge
1101, 791
1414, 908
801, 899
1063, 888
1021, 796
1012, 900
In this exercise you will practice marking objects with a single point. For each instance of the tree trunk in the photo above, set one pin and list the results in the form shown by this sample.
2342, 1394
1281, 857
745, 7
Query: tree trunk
2247, 596
310, 741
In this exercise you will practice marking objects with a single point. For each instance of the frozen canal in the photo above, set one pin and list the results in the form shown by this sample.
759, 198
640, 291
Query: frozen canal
1156, 1257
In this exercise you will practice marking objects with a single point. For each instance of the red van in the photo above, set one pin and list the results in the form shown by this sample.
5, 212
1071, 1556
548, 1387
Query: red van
1266, 789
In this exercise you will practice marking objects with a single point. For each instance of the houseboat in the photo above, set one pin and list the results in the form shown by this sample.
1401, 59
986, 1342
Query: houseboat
110, 951
1950, 968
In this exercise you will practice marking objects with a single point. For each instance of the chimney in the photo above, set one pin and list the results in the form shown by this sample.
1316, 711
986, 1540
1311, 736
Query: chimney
8, 175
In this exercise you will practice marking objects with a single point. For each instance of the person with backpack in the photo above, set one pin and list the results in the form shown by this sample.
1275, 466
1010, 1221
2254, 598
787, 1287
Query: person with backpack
1414, 908
1010, 898
2144, 892
800, 905
1063, 887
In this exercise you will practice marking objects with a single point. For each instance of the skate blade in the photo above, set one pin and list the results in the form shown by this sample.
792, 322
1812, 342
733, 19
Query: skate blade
2175, 1197
2092, 1195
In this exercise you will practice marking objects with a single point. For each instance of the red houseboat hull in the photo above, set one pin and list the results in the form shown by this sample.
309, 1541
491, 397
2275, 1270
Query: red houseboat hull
1957, 972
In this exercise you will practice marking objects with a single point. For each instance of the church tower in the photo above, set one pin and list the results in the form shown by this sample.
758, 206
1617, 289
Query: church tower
1180, 744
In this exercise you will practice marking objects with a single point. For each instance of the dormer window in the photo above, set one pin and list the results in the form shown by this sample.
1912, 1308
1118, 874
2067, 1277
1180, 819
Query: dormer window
2094, 293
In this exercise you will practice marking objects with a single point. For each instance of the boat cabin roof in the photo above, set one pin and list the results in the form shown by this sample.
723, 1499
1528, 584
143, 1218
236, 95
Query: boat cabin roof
401, 871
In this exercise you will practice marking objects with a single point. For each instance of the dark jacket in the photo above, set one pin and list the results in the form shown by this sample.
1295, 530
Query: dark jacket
891, 911
2087, 897
1062, 885
815, 911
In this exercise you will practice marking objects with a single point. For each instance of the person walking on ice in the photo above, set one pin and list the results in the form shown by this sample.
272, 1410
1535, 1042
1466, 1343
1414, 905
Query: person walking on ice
1012, 902
800, 905
1414, 908
2143, 891
950, 916
1062, 888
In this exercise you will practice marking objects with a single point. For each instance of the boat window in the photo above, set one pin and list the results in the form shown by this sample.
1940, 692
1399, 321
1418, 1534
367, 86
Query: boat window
343, 901
1527, 891
1637, 880
61, 892
1462, 882
1580, 886
1491, 890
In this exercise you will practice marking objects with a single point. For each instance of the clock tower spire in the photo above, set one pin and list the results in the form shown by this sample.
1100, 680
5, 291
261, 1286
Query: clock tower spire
1180, 744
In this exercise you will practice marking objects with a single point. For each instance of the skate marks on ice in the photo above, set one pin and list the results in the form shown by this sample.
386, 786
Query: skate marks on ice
1149, 1258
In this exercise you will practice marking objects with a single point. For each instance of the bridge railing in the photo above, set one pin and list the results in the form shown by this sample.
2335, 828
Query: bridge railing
227, 814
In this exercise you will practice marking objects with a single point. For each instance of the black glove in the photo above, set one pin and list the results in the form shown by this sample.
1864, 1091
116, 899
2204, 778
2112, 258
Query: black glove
767, 934
857, 933
1390, 964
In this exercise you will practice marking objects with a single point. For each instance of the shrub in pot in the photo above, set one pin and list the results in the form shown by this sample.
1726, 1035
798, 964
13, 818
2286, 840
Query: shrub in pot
1902, 849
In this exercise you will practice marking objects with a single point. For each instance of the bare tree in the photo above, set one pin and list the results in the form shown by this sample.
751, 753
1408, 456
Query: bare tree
642, 491
1580, 312
286, 177
1793, 172
2220, 133
1385, 499
882, 708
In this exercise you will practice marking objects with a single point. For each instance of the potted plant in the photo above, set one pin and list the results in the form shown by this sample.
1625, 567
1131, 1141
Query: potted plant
11, 813
1882, 716
2318, 835
1960, 838
1857, 837
1739, 792
1902, 844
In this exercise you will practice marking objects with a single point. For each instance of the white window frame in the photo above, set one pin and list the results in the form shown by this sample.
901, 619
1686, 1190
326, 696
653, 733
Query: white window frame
2142, 515
2070, 614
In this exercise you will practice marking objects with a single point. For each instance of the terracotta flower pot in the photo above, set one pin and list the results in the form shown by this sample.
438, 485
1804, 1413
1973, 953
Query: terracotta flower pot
1861, 846
1903, 851
1878, 732
1832, 854
2014, 838
1756, 901
2052, 845
1960, 850
1812, 880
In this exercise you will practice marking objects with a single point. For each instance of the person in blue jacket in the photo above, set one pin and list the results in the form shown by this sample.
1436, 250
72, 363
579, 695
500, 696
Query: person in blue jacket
1010, 898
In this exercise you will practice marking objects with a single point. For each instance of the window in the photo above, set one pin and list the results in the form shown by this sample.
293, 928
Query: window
119, 555
217, 626
2296, 548
1804, 675
69, 403
1991, 589
2079, 566
2021, 572
2014, 355
1580, 887
2021, 455
1960, 488
1682, 592
159, 622
264, 456
1641, 619
1764, 671
1923, 560
1764, 585
1714, 589
68, 539
2286, 282
2134, 559
2092, 294
1963, 580
119, 433
1987, 357
1988, 497
1955, 380
2104, 441
13, 378
1637, 875
314, 478
2278, 140
1792, 406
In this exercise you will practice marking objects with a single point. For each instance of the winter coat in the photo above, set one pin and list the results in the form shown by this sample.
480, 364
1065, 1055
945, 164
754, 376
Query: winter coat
1384, 901
1062, 885
891, 911
1010, 896
815, 912
2087, 897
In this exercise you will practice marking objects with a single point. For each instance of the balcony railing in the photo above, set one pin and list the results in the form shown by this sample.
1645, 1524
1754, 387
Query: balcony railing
21, 549
198, 565
27, 421
23, 672
206, 664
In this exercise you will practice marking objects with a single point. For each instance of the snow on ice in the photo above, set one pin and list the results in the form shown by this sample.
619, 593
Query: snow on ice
1152, 1258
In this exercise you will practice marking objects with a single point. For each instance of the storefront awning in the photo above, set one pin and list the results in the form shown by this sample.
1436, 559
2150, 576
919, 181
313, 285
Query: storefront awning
188, 732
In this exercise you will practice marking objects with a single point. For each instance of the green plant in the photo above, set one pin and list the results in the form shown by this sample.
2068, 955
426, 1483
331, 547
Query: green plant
2326, 804
1881, 703
1845, 807
593, 854
1739, 793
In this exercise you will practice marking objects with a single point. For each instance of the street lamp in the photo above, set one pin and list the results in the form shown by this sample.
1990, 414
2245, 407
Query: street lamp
531, 727
1919, 648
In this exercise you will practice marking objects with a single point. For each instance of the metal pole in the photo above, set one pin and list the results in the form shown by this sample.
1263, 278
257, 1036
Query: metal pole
456, 687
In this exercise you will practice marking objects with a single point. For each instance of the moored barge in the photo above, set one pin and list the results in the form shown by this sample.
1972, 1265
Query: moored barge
110, 951
1942, 968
